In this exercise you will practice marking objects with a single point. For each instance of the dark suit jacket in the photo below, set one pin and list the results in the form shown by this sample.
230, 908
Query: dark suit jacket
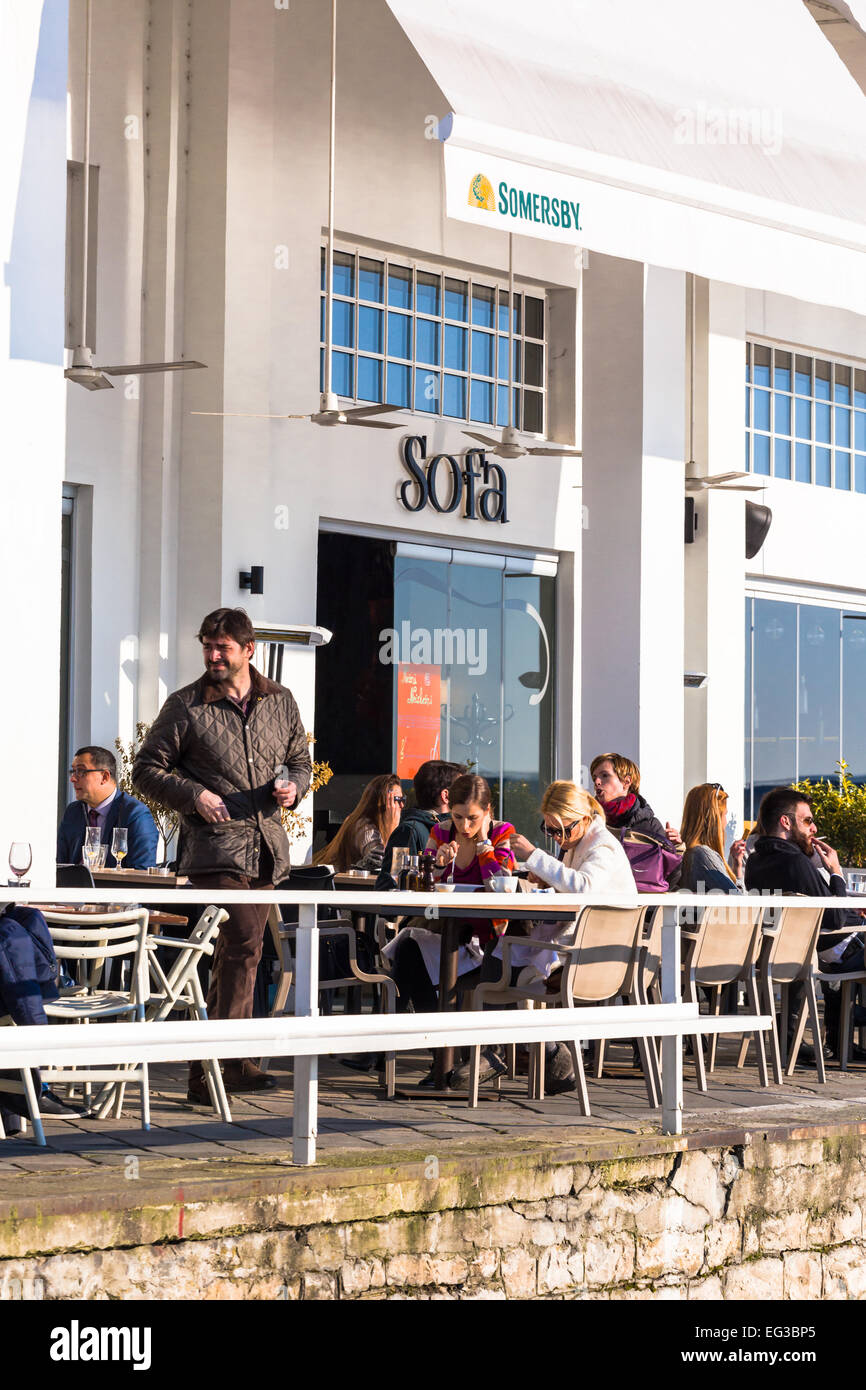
143, 836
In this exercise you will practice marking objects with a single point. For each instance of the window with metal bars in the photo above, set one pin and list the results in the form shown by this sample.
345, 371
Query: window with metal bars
433, 342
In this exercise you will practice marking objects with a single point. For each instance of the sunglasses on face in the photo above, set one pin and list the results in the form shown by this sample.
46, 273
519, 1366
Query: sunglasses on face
555, 832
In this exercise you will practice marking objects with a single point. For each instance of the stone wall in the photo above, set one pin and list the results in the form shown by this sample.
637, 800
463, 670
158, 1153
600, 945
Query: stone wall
768, 1218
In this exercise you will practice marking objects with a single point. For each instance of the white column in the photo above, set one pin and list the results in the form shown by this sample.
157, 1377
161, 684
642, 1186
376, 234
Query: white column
306, 1069
33, 54
633, 471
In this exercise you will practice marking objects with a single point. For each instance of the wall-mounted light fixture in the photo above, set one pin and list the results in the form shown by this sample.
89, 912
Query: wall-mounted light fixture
693, 680
253, 579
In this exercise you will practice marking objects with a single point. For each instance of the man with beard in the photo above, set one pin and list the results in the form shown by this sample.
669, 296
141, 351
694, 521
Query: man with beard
228, 752
785, 860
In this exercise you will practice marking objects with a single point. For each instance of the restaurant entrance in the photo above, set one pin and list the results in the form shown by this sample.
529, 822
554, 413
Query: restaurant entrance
436, 653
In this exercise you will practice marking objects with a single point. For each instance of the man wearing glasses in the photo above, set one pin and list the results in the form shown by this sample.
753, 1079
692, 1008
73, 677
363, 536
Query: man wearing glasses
100, 802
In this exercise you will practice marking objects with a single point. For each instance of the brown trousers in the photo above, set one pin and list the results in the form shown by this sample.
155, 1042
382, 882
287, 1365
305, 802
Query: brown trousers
238, 946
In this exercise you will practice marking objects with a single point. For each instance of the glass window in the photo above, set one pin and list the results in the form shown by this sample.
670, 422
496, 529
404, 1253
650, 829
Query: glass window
783, 415
782, 458
454, 402
822, 380
761, 454
482, 306
854, 694
804, 419
399, 287
804, 463
822, 423
532, 412
782, 372
774, 719
502, 417
419, 318
842, 471
456, 355
398, 385
842, 383
481, 402
371, 279
859, 429
843, 427
534, 316
427, 293
762, 365
427, 340
822, 467
748, 406
370, 330
762, 410
399, 335
344, 273
427, 391
482, 353
803, 376
369, 378
860, 388
818, 695
456, 299
860, 472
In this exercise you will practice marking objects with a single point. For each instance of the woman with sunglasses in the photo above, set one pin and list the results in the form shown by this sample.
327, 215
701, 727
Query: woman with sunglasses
589, 859
705, 868
360, 841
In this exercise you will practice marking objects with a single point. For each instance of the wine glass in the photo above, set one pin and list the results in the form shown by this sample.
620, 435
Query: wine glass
20, 859
119, 844
92, 841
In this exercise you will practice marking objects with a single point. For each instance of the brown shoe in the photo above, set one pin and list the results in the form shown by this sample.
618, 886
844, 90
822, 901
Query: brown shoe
197, 1092
246, 1076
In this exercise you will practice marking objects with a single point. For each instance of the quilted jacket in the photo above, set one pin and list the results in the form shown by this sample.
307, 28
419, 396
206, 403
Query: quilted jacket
201, 741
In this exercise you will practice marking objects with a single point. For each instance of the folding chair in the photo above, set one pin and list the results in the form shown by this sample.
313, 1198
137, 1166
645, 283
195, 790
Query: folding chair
723, 948
93, 939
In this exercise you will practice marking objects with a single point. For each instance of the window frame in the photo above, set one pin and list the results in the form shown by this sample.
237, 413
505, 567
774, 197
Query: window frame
416, 266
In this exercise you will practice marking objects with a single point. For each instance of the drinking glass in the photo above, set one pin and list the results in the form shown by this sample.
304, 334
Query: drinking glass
119, 844
20, 859
100, 856
92, 842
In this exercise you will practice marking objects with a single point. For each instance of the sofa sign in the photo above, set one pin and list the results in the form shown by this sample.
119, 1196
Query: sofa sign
477, 486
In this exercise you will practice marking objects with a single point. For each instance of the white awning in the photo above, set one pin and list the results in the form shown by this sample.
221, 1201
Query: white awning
726, 139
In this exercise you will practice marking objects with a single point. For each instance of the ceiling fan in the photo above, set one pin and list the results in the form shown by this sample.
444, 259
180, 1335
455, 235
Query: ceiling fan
695, 480
83, 371
330, 412
508, 446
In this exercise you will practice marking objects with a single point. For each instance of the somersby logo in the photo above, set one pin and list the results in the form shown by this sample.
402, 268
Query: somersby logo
77, 1343
541, 208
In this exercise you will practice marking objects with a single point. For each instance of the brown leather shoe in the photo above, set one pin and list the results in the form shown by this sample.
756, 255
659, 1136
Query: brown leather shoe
197, 1092
246, 1076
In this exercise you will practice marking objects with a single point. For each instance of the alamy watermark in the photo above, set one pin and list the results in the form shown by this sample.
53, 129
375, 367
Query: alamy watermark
437, 646
732, 125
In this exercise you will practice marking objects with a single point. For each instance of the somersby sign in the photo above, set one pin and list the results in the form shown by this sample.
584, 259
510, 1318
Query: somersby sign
512, 197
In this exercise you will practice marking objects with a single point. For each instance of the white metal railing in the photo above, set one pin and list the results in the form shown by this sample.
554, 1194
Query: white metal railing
307, 1035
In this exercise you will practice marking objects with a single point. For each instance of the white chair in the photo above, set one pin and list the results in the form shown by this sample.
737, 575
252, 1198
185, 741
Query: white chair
600, 966
788, 958
724, 948
23, 1087
93, 939
180, 989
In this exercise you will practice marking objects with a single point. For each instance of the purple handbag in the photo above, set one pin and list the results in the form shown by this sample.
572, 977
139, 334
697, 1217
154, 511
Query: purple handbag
656, 868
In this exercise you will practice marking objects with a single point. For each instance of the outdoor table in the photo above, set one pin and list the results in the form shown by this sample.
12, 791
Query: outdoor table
134, 878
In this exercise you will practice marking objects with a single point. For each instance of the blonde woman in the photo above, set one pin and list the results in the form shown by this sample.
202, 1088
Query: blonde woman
589, 860
705, 868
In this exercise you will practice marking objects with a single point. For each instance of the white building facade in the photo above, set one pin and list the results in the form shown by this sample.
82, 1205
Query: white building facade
522, 614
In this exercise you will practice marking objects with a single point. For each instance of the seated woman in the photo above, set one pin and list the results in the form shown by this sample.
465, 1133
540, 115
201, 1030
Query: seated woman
590, 860
705, 869
470, 848
617, 786
360, 841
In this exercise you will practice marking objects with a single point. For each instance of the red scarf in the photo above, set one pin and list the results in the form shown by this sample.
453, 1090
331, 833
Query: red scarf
615, 811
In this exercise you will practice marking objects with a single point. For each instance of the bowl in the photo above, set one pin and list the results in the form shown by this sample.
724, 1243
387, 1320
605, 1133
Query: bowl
443, 887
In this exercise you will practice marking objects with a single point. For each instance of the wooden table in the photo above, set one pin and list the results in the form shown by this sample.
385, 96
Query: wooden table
135, 878
155, 919
363, 882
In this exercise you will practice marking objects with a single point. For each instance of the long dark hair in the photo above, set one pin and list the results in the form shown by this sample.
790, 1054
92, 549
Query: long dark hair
470, 788
372, 808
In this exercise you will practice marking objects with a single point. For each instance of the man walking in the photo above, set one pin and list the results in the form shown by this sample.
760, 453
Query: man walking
782, 861
228, 752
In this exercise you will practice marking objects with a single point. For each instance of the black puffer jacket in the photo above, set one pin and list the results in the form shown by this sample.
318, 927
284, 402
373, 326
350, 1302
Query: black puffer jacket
200, 741
780, 866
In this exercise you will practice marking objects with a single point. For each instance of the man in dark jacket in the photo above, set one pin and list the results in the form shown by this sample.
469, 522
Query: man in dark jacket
99, 802
229, 752
431, 783
782, 861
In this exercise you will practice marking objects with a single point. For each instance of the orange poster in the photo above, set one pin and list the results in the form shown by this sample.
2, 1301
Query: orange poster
418, 701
